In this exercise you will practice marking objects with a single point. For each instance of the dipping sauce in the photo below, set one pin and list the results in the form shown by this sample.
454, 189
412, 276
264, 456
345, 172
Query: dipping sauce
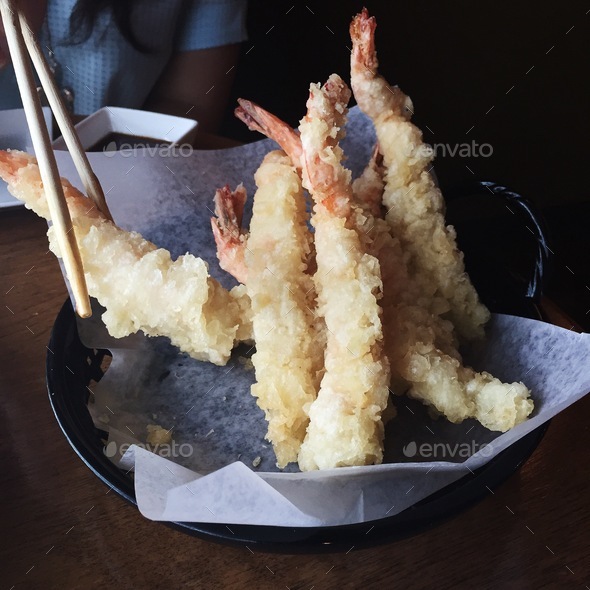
117, 141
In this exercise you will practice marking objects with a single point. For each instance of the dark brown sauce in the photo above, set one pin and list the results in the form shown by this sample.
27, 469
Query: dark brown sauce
116, 141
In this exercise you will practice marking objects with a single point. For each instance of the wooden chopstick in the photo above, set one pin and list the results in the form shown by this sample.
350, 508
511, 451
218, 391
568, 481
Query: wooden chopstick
89, 179
58, 209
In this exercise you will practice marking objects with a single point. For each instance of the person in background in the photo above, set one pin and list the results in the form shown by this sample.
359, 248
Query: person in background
169, 56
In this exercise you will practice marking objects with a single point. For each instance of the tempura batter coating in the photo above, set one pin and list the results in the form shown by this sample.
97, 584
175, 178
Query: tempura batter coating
368, 187
139, 284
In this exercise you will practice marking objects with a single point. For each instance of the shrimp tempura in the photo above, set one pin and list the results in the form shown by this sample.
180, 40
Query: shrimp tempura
422, 347
420, 344
345, 420
272, 260
373, 231
139, 284
414, 204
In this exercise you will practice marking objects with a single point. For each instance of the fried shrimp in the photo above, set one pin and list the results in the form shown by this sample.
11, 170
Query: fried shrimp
414, 204
373, 231
345, 420
275, 253
139, 284
367, 191
422, 346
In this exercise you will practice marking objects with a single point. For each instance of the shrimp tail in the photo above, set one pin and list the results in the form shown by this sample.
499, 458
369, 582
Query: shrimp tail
362, 27
227, 230
372, 92
258, 119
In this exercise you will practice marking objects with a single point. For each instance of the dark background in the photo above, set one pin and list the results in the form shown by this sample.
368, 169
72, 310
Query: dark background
512, 75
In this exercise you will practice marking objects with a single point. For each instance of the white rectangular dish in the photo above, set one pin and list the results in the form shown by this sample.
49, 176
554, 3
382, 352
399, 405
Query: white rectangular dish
131, 122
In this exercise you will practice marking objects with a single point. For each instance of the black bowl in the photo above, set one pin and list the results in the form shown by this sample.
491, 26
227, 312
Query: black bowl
71, 367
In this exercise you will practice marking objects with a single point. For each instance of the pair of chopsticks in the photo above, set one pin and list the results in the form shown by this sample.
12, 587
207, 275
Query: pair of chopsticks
23, 47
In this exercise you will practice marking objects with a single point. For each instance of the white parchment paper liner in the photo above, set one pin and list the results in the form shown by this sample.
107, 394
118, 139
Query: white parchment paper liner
218, 431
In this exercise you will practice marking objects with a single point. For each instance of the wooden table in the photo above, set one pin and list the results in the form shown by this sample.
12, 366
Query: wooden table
61, 528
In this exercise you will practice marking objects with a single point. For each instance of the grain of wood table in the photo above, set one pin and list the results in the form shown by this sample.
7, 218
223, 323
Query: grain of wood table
61, 528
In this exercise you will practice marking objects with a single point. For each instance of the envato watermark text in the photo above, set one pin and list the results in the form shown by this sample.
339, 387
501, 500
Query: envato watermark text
128, 150
442, 451
168, 450
451, 150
